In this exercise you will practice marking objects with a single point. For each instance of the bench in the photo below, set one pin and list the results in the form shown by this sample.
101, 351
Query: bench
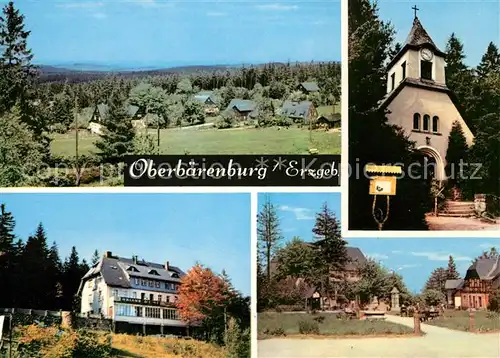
373, 314
427, 315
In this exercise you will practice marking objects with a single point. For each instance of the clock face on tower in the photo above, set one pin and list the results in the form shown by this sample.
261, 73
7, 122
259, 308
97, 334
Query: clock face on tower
426, 54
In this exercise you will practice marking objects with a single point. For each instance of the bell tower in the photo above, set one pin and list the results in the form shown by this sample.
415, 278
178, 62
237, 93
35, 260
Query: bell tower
418, 60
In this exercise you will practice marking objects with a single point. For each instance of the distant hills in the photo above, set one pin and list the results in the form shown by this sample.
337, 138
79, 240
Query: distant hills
85, 71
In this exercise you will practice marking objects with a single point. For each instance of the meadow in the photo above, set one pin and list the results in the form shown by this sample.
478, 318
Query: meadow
245, 140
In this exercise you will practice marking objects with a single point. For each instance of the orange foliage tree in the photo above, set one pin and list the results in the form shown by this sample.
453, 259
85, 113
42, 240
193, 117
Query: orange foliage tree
201, 292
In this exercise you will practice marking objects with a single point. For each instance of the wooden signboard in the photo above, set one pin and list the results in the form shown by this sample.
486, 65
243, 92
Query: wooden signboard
383, 186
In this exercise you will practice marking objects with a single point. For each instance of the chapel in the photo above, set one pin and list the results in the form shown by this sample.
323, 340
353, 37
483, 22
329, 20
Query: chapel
418, 99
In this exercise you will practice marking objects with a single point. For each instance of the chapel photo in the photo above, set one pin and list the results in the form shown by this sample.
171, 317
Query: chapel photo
424, 121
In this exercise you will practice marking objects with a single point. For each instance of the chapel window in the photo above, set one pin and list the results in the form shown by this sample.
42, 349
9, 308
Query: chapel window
426, 123
426, 70
416, 121
403, 69
435, 124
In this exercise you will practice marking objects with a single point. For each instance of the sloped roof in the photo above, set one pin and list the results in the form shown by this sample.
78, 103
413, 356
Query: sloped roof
114, 271
418, 36
485, 268
454, 284
296, 109
310, 86
204, 96
242, 105
104, 110
332, 118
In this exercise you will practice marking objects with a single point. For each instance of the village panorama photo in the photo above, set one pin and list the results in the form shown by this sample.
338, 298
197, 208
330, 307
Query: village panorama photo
125, 275
86, 83
424, 116
322, 295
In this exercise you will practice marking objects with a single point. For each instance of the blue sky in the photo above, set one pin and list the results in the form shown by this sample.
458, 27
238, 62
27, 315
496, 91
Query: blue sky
413, 258
475, 23
166, 32
213, 229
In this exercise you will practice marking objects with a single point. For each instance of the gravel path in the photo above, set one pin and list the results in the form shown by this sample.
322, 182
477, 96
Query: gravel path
447, 223
437, 343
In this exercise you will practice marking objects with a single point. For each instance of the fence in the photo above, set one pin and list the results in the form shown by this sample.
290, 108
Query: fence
25, 317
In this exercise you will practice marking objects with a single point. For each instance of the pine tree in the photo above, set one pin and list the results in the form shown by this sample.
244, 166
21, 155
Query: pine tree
35, 265
457, 156
371, 138
95, 258
269, 234
437, 280
16, 69
118, 137
490, 62
53, 276
331, 251
7, 225
452, 273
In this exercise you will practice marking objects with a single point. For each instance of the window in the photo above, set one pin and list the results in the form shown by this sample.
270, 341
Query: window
426, 122
480, 301
168, 299
159, 298
416, 121
137, 281
132, 268
152, 312
393, 80
157, 284
115, 293
125, 310
170, 314
138, 311
151, 283
426, 70
435, 124
403, 70
144, 283
134, 294
151, 297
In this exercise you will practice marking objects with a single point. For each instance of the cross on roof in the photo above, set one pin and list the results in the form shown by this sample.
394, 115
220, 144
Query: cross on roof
416, 9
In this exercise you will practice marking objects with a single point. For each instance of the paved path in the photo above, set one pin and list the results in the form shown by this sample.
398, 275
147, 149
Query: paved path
447, 223
437, 343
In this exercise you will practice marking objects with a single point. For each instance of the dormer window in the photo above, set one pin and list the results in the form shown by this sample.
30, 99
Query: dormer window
153, 272
133, 269
175, 275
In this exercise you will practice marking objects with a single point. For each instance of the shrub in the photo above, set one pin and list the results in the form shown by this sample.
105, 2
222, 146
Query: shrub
274, 332
319, 319
494, 303
226, 120
237, 341
308, 327
58, 128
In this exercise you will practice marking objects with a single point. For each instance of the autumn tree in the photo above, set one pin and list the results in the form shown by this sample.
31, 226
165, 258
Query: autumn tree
201, 295
269, 234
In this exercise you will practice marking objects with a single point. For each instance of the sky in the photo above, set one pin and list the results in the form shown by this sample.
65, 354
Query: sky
157, 33
475, 23
213, 229
413, 258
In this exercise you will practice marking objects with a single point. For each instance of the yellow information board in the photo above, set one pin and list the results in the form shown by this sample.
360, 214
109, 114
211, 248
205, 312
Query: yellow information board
383, 186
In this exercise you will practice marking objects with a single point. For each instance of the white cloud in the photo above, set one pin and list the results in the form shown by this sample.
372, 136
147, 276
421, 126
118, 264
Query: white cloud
377, 256
407, 266
81, 5
214, 13
396, 252
440, 256
277, 7
487, 245
99, 15
300, 213
153, 3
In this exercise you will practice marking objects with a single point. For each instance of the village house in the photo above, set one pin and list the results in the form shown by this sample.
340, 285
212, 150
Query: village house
303, 111
418, 99
138, 296
209, 103
328, 121
244, 109
473, 291
308, 87
101, 111
314, 296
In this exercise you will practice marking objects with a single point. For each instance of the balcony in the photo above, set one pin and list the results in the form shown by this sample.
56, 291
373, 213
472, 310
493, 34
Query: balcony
138, 301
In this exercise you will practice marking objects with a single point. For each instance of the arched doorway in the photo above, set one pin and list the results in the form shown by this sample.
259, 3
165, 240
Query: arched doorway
433, 164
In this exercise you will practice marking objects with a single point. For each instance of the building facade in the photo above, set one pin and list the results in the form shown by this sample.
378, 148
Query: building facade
137, 295
474, 290
418, 99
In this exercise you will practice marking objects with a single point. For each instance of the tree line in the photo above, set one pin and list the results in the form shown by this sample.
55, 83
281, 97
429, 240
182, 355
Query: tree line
286, 271
372, 140
32, 272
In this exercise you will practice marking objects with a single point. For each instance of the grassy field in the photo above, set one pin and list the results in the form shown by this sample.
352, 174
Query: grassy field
325, 110
211, 141
459, 320
276, 324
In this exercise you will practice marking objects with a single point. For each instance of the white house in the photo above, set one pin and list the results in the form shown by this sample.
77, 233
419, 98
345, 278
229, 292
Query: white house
418, 99
137, 295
